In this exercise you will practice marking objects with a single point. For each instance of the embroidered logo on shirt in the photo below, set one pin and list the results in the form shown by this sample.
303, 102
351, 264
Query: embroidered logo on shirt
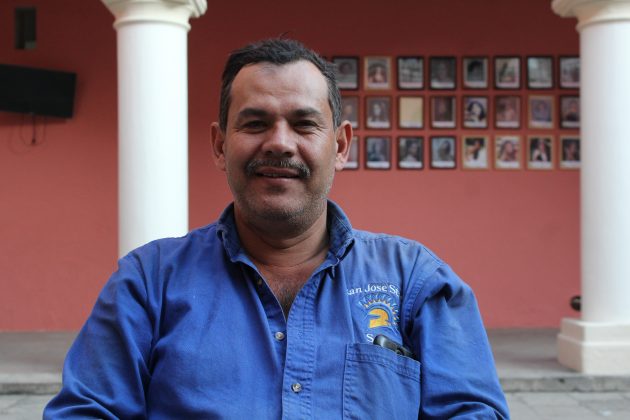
381, 310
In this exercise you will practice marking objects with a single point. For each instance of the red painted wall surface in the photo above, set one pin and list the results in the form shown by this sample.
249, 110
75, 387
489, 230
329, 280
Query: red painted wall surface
512, 235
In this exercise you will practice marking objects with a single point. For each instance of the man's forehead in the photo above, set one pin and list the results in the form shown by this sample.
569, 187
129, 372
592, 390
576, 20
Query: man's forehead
300, 70
299, 82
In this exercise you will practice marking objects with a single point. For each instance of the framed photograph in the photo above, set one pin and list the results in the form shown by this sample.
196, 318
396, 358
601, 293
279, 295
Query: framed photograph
540, 152
443, 151
570, 111
443, 112
507, 152
540, 111
353, 156
410, 72
507, 111
347, 72
475, 72
410, 152
378, 72
569, 152
350, 110
410, 111
475, 111
443, 72
569, 72
540, 72
378, 152
507, 72
475, 152
378, 111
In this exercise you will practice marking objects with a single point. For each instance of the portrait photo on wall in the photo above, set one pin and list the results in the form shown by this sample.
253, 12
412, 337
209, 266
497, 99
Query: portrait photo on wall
475, 152
410, 152
507, 152
350, 110
378, 72
570, 152
475, 72
443, 112
353, 156
347, 72
507, 72
540, 111
569, 72
570, 111
377, 152
378, 111
540, 152
475, 111
410, 111
442, 72
539, 72
507, 111
410, 72
443, 151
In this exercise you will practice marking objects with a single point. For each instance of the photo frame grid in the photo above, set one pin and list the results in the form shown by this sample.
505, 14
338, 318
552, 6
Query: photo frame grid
413, 111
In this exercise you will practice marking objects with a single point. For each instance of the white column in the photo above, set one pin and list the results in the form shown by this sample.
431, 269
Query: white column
152, 117
599, 342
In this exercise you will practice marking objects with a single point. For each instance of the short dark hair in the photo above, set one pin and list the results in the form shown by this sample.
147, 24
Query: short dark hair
276, 51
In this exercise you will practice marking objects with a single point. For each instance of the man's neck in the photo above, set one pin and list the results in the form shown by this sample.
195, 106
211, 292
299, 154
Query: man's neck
271, 246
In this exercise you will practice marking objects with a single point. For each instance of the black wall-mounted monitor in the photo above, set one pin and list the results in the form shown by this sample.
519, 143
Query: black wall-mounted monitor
37, 91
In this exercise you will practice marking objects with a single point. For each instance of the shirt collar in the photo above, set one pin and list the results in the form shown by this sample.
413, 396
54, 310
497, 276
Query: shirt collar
339, 228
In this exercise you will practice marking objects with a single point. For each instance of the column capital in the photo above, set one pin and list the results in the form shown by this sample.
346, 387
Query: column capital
177, 12
593, 11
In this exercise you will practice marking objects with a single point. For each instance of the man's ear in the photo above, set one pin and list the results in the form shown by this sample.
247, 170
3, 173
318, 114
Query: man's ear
344, 137
217, 137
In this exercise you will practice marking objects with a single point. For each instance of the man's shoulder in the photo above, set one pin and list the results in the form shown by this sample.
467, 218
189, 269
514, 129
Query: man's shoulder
205, 236
389, 240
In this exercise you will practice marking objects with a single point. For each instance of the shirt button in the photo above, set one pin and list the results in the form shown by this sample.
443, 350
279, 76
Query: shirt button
279, 336
259, 282
296, 387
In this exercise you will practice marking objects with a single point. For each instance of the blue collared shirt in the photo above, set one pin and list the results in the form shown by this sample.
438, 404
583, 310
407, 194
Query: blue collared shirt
188, 328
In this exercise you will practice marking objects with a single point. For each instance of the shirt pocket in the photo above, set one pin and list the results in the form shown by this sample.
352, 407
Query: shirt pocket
380, 384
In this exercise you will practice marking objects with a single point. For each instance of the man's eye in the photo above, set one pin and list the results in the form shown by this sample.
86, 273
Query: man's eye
306, 124
254, 125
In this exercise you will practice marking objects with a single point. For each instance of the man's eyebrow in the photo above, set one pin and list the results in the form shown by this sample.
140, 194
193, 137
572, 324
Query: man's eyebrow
307, 112
252, 112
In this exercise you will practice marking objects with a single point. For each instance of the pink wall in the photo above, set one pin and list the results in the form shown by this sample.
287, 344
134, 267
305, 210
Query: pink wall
513, 235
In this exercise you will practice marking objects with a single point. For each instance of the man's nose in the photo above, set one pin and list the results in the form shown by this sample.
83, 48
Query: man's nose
280, 141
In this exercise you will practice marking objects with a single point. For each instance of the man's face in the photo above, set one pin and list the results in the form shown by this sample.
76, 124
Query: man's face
280, 149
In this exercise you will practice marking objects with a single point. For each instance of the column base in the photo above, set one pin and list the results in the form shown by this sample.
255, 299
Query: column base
595, 348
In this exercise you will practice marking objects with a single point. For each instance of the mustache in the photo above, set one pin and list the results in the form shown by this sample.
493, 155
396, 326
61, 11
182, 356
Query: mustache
253, 166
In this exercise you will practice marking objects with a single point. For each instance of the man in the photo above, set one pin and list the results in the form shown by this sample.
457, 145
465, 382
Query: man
272, 311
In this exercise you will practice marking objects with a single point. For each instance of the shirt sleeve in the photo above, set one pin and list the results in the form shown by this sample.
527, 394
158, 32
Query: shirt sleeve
106, 370
459, 378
